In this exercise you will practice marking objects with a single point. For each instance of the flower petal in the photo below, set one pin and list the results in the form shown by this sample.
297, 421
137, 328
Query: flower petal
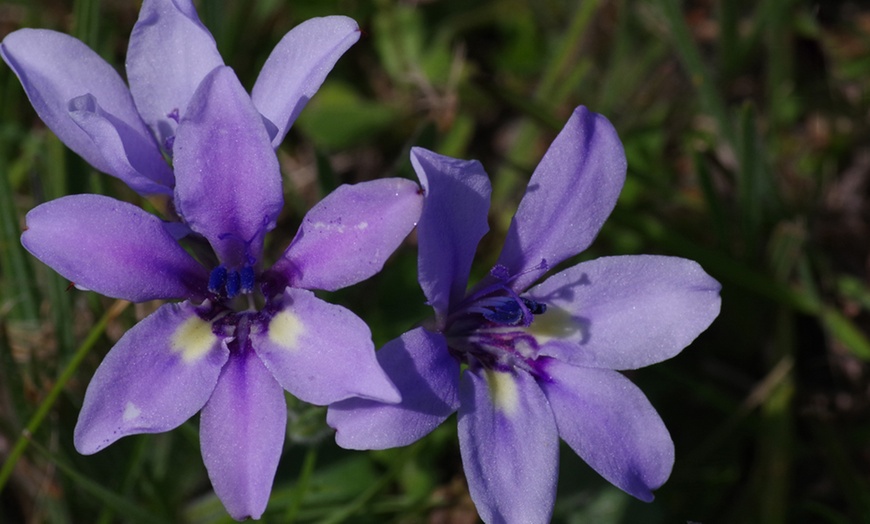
320, 352
169, 54
347, 236
509, 446
297, 67
120, 153
427, 377
158, 375
624, 312
609, 422
113, 248
570, 195
241, 432
64, 80
453, 222
228, 182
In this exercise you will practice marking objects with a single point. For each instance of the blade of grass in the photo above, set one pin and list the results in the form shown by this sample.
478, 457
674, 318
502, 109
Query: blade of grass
106, 496
702, 79
45, 407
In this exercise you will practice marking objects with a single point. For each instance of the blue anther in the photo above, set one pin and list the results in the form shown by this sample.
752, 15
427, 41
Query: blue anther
247, 277
535, 308
217, 280
234, 281
508, 313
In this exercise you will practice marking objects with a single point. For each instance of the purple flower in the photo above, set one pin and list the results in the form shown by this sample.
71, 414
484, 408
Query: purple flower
539, 360
242, 332
124, 132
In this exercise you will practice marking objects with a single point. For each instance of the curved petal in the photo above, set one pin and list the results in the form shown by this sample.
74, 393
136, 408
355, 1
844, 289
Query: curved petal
509, 446
570, 195
241, 432
320, 352
119, 148
228, 184
63, 78
427, 377
113, 248
158, 375
609, 422
452, 224
347, 236
169, 54
624, 312
297, 67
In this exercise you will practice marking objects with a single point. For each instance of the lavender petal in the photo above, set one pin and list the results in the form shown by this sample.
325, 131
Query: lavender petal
427, 377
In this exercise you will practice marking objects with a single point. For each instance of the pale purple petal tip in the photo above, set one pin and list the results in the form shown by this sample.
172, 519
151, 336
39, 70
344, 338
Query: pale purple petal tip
320, 352
625, 312
570, 195
113, 248
169, 54
347, 236
298, 66
84, 101
453, 222
509, 446
609, 422
157, 376
241, 433
427, 377
228, 181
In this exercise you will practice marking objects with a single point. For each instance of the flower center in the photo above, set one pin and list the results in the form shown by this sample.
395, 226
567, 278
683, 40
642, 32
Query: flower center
489, 327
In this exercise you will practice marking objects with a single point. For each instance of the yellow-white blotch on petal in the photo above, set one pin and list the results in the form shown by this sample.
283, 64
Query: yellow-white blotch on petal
193, 339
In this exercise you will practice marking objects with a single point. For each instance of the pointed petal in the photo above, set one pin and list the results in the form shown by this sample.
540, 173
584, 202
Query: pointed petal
320, 352
453, 222
169, 54
241, 431
427, 377
509, 446
228, 182
158, 375
609, 422
347, 236
570, 195
624, 312
113, 248
65, 80
297, 67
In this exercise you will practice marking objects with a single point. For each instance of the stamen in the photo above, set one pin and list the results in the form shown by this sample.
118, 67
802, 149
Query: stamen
217, 280
234, 282
247, 279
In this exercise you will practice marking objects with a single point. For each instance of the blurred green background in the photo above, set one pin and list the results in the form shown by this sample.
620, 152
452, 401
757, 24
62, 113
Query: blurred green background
747, 129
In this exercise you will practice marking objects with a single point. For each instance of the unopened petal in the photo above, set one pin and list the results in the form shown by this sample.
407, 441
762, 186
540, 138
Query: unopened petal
570, 195
113, 248
347, 236
509, 446
157, 376
609, 422
228, 182
169, 54
241, 433
297, 67
453, 222
57, 71
427, 377
320, 352
624, 312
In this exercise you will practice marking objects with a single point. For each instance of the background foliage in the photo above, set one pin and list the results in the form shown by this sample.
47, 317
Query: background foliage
746, 128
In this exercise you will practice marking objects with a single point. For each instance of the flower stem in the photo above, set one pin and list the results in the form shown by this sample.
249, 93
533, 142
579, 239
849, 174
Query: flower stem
36, 420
